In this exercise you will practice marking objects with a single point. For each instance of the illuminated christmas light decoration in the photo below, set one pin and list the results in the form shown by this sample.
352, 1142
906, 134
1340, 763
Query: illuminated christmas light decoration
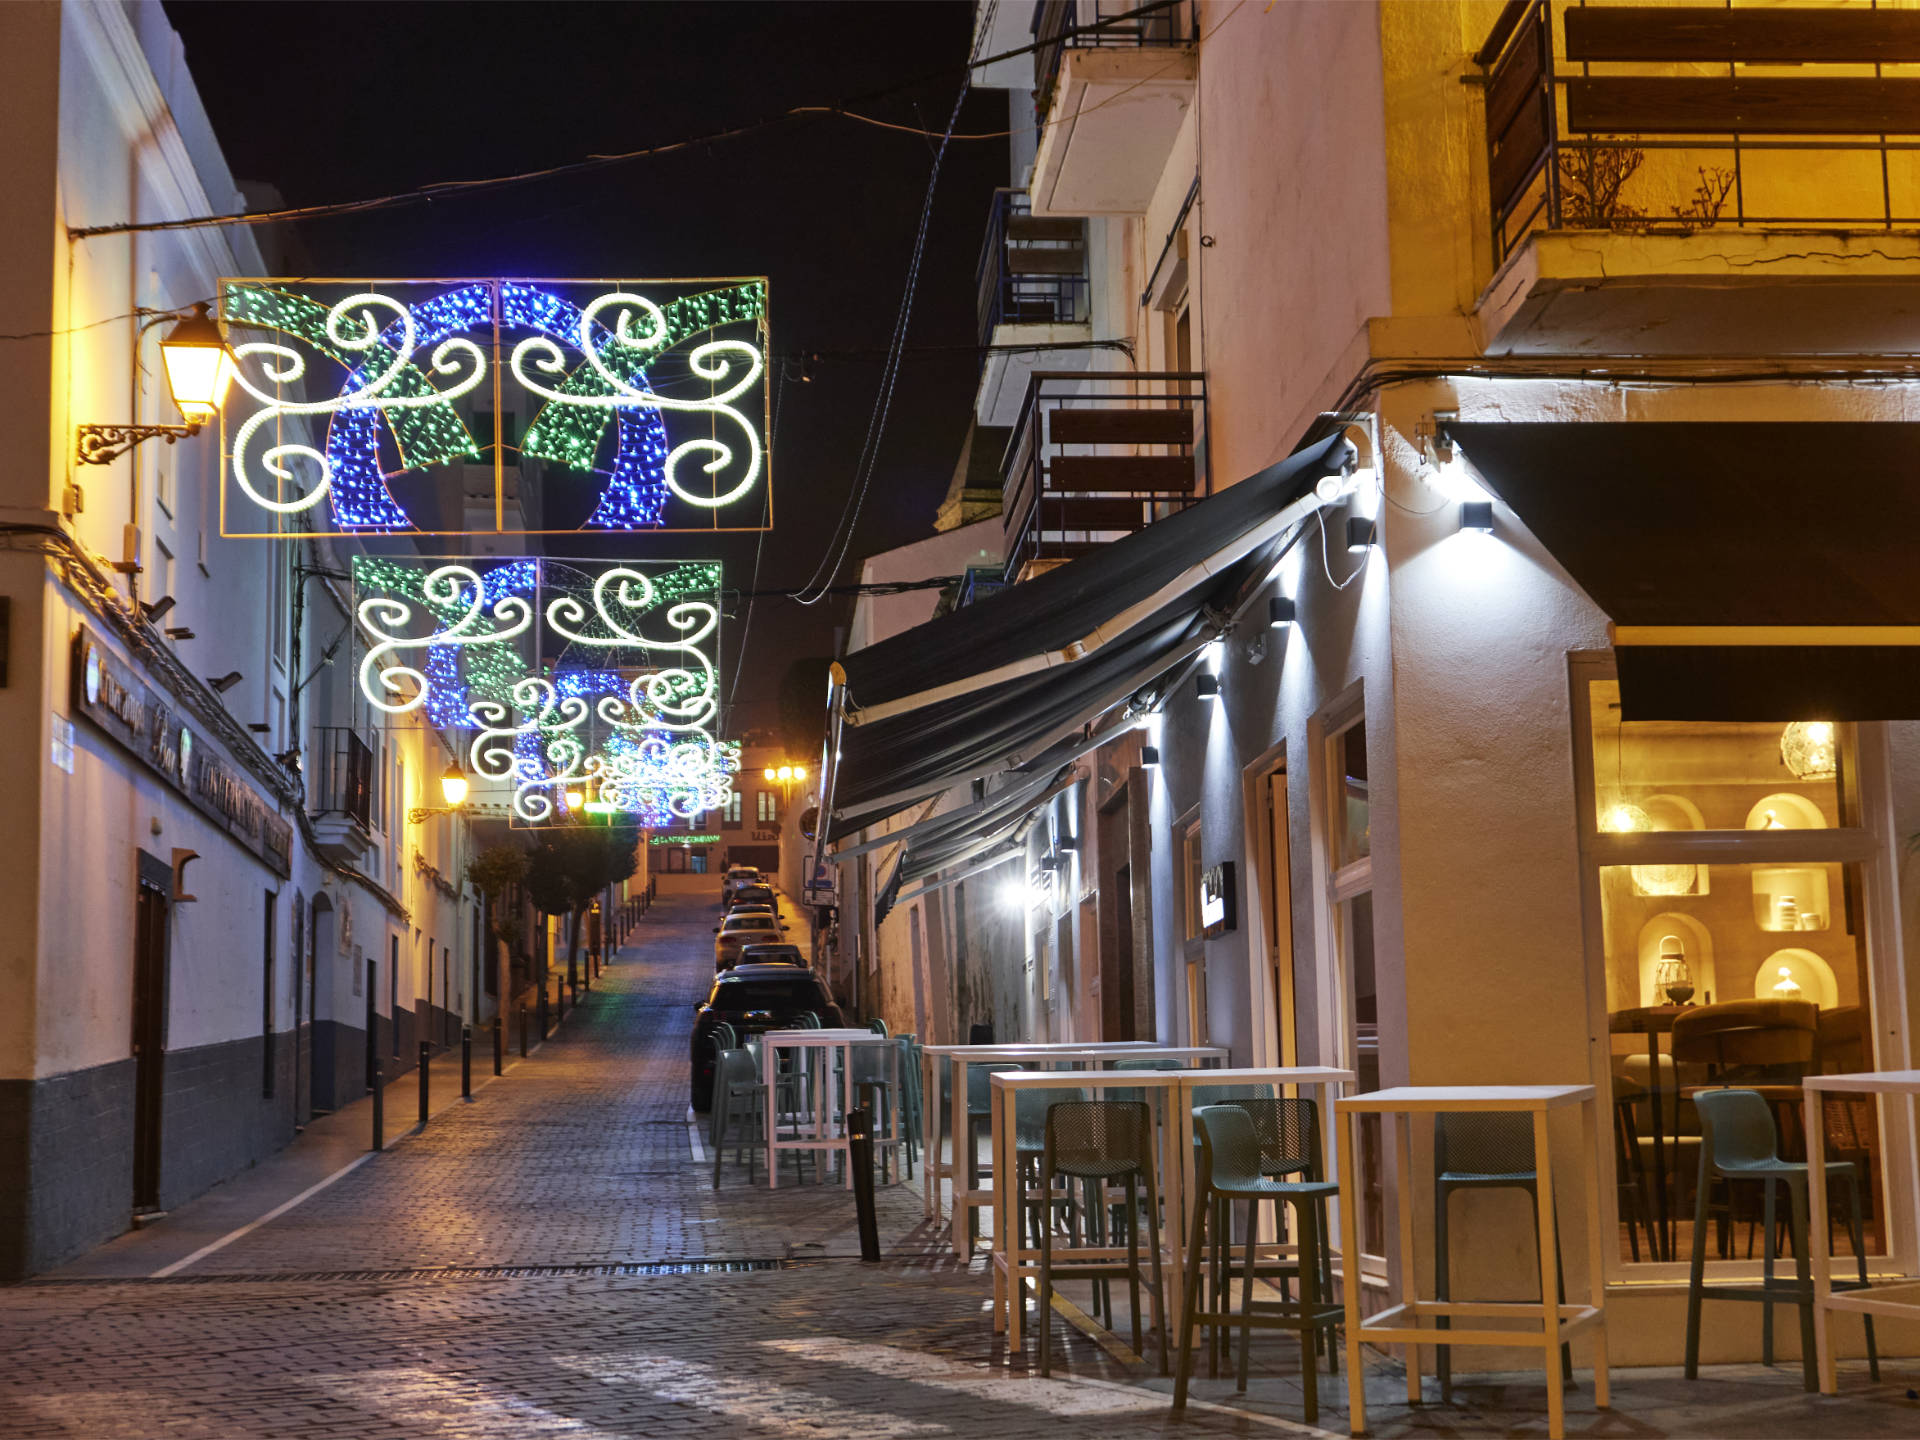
678, 372
596, 675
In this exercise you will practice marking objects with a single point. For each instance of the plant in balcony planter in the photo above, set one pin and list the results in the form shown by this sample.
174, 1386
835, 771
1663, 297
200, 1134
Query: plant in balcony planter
1592, 182
1709, 198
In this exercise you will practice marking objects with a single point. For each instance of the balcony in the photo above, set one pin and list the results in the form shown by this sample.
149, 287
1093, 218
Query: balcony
1098, 456
1033, 290
1112, 100
1655, 171
340, 795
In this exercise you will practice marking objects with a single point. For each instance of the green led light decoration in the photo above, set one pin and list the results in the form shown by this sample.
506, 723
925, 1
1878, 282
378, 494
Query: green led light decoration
595, 679
380, 406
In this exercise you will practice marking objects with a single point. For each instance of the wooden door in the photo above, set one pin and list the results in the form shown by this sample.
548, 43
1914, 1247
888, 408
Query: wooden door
149, 1041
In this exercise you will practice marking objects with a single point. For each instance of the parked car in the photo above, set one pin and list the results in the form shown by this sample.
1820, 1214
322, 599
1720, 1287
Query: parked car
760, 953
756, 892
753, 909
753, 998
735, 878
740, 930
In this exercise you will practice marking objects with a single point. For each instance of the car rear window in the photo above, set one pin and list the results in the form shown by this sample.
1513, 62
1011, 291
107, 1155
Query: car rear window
749, 922
748, 894
796, 994
770, 952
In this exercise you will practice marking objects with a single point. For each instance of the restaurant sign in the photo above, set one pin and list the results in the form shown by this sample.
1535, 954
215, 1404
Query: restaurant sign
684, 840
108, 692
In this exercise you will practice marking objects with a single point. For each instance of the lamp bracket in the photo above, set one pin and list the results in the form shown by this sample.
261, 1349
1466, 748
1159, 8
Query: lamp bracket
103, 444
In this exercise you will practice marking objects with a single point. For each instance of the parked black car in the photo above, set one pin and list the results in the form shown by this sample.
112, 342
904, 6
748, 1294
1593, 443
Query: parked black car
752, 998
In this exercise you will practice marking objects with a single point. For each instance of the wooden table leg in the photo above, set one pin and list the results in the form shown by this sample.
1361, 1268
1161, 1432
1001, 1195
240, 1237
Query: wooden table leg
1402, 1126
1596, 1244
1817, 1198
961, 1168
1173, 1193
1549, 1281
1350, 1275
1006, 1200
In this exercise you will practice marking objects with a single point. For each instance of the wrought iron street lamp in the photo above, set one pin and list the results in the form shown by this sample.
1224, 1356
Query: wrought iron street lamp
453, 787
199, 370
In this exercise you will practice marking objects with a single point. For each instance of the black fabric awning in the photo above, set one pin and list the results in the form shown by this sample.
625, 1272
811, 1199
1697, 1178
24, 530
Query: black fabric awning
1053, 618
1753, 571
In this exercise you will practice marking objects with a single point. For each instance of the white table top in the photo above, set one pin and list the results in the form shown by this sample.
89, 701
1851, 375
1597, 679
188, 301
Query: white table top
1411, 1098
1161, 1079
824, 1037
987, 1052
1874, 1082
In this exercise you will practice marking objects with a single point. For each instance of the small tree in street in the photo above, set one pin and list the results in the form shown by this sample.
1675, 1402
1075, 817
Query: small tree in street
494, 872
569, 867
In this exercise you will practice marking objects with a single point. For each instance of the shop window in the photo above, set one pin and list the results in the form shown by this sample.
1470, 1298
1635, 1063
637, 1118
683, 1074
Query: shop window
1733, 954
1347, 822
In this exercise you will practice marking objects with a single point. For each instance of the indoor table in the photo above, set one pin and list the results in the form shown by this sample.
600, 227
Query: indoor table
1888, 1083
1400, 1324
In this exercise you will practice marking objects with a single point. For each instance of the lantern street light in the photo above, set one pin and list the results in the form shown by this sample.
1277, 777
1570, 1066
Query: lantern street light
199, 369
453, 786
786, 777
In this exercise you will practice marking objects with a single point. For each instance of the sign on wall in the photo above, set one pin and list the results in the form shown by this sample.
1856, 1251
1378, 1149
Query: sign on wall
584, 687
109, 693
1218, 903
460, 407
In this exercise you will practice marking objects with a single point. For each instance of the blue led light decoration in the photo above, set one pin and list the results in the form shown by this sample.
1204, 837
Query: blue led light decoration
597, 406
595, 677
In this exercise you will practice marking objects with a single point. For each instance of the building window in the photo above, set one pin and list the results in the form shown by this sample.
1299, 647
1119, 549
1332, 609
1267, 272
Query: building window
769, 807
1727, 863
731, 814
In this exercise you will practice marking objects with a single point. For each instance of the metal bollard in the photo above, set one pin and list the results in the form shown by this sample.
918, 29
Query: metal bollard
499, 1044
860, 1157
543, 1012
523, 1030
379, 1112
426, 1049
466, 1062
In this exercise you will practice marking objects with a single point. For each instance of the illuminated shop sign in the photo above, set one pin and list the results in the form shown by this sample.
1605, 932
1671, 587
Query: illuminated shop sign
684, 840
108, 692
459, 407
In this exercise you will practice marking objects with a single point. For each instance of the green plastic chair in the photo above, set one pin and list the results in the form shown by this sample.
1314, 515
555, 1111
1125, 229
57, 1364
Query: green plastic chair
1738, 1142
1102, 1143
1229, 1170
979, 1118
877, 1025
739, 1104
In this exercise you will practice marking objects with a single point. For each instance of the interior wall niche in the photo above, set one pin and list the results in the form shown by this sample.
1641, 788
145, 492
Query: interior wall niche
1697, 949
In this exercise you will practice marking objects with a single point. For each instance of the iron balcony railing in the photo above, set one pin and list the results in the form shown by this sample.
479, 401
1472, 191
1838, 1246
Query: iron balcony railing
342, 781
1032, 271
1098, 455
1699, 116
1176, 24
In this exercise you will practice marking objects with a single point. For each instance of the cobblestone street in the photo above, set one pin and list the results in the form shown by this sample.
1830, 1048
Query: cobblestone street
552, 1259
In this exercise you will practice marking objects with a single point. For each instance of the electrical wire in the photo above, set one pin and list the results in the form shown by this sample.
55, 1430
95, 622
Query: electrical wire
449, 188
759, 546
865, 466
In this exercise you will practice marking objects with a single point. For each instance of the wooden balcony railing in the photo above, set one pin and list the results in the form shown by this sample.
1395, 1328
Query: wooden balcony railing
1678, 117
1098, 455
1033, 270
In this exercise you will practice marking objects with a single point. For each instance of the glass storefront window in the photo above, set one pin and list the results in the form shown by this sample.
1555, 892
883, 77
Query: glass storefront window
1749, 970
1353, 834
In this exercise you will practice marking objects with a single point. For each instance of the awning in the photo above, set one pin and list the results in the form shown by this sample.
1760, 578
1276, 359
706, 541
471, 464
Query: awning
1753, 571
1071, 612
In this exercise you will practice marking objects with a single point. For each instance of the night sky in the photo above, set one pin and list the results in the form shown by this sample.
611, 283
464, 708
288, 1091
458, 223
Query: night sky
333, 102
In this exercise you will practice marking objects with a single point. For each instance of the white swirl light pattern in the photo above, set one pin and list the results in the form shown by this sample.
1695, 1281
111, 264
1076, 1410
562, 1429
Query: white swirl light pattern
398, 689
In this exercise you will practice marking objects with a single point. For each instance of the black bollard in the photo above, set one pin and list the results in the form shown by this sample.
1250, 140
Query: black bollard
543, 1012
860, 1157
523, 1030
499, 1044
425, 1050
466, 1062
379, 1112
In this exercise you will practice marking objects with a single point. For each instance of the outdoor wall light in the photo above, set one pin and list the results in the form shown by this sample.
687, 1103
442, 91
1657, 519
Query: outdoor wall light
1052, 863
151, 611
199, 370
1206, 686
1477, 515
1066, 842
1362, 535
1280, 612
1149, 756
223, 683
453, 787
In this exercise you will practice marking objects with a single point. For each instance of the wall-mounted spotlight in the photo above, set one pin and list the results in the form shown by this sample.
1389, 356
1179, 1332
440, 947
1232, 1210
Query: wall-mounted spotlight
1149, 756
179, 632
152, 611
1066, 842
1280, 612
1206, 686
221, 684
1054, 863
1477, 515
1362, 535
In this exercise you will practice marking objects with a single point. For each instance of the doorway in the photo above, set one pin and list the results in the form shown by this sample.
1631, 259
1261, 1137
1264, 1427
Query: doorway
149, 1028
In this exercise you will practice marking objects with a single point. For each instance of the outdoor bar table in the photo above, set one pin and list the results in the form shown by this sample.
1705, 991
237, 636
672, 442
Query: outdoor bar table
1400, 1324
820, 1134
1013, 1264
959, 1057
1859, 1302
